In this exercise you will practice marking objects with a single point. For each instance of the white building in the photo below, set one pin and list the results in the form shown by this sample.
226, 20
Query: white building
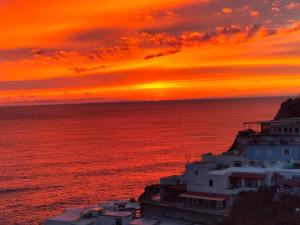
206, 187
92, 215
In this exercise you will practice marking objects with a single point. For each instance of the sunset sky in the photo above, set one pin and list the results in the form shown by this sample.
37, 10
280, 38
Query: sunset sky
112, 50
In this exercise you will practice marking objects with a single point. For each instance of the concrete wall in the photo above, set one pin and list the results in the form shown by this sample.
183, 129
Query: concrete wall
109, 220
221, 183
194, 171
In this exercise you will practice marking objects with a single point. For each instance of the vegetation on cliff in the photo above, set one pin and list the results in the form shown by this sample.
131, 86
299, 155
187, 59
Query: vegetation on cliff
149, 192
264, 208
241, 140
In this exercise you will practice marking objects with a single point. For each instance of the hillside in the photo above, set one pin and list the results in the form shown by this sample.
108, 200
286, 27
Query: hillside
264, 208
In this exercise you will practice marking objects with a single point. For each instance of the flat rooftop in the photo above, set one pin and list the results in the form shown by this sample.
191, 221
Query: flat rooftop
168, 221
66, 217
286, 121
113, 213
86, 221
144, 221
252, 170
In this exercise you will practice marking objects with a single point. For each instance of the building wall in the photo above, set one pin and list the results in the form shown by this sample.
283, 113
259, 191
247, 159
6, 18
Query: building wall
273, 153
229, 160
108, 220
195, 171
221, 184
181, 214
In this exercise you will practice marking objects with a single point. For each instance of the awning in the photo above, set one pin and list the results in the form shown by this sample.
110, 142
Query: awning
255, 176
294, 182
205, 196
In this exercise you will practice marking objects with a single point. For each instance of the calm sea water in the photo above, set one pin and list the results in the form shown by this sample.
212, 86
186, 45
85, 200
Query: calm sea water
54, 157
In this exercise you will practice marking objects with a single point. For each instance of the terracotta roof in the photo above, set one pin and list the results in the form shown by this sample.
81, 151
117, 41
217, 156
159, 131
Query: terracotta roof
205, 196
248, 175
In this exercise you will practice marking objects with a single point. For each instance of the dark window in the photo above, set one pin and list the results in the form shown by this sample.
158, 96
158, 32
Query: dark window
286, 186
286, 151
280, 130
290, 130
285, 130
237, 164
297, 130
196, 172
119, 222
211, 183
248, 183
224, 204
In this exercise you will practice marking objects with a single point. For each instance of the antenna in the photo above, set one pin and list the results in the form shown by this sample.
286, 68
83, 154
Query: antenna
187, 158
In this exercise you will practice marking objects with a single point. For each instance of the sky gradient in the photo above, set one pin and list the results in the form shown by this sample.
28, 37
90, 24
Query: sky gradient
147, 50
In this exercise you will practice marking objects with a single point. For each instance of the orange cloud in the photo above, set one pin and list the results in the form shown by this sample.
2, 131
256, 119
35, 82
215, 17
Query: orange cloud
293, 5
227, 10
150, 49
254, 13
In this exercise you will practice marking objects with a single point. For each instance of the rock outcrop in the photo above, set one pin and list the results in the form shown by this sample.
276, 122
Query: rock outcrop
241, 141
289, 109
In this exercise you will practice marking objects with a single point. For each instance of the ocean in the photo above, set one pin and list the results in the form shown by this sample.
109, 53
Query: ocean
61, 156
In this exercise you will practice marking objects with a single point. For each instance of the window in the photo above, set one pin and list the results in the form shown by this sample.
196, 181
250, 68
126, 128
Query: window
297, 130
279, 130
286, 151
290, 130
237, 164
285, 130
211, 183
196, 172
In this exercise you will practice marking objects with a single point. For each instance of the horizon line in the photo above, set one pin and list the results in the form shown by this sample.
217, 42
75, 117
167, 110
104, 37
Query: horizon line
85, 101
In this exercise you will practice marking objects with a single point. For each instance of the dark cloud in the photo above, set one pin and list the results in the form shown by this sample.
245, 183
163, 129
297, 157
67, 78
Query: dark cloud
14, 54
205, 16
160, 54
83, 69
168, 44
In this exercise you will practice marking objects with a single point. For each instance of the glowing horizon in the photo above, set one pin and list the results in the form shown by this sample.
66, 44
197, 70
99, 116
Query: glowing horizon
148, 50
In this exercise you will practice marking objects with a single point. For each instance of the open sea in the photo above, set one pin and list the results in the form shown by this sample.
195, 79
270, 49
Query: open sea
61, 156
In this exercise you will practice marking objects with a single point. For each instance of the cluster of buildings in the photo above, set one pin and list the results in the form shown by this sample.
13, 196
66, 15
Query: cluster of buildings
121, 212
267, 156
118, 213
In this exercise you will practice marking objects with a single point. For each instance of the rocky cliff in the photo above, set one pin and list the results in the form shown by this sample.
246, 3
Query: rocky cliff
290, 108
